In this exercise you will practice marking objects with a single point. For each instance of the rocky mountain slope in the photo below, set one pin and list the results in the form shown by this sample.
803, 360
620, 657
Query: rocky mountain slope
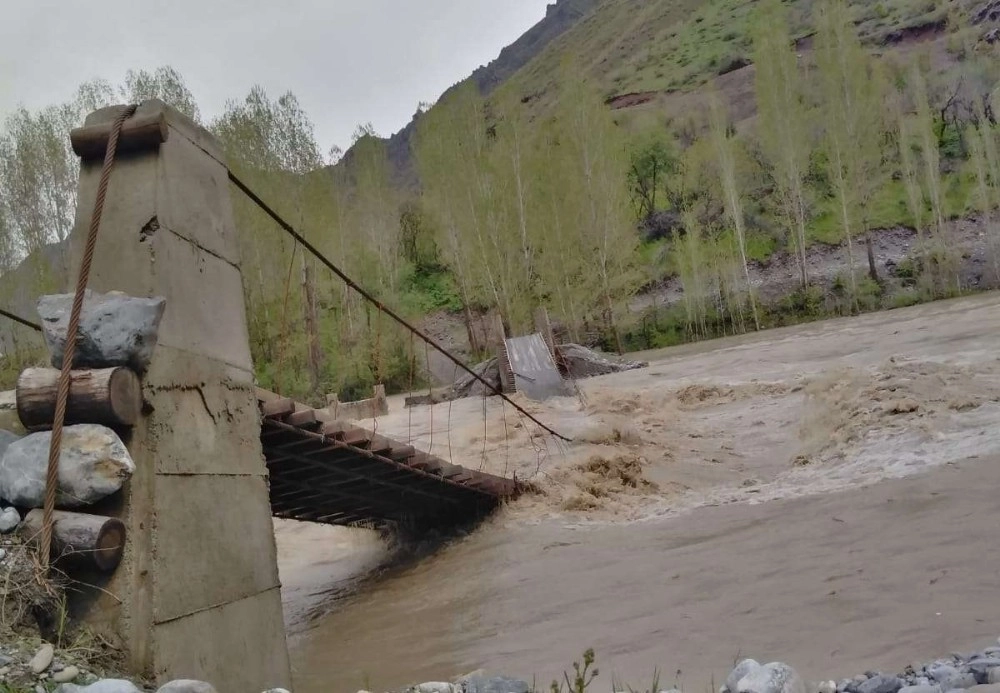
560, 17
641, 51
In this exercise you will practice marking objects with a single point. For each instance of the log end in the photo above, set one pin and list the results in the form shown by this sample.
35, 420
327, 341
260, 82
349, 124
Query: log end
110, 545
141, 132
79, 539
126, 396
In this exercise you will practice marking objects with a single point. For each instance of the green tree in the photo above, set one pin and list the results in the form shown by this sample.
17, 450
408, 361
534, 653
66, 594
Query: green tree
652, 164
164, 83
447, 151
986, 165
783, 123
597, 198
944, 261
271, 143
852, 107
725, 151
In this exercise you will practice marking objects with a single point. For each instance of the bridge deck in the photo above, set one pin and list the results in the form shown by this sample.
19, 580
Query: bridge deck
323, 470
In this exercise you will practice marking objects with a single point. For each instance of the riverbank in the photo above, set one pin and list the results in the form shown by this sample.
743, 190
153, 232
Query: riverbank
977, 672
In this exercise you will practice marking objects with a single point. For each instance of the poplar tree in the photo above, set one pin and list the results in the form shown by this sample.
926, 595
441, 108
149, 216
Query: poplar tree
944, 262
598, 198
271, 142
783, 126
852, 100
725, 152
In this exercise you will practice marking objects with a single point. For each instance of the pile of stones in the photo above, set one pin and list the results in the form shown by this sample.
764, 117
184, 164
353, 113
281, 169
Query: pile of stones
975, 672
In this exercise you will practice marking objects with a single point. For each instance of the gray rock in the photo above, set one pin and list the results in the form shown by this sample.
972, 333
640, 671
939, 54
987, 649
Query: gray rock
66, 675
774, 677
494, 684
993, 676
742, 668
93, 465
881, 684
9, 520
582, 362
9, 420
959, 680
436, 687
277, 690
186, 686
42, 659
115, 329
980, 667
5, 660
941, 672
826, 687
844, 684
987, 688
6, 438
102, 686
920, 689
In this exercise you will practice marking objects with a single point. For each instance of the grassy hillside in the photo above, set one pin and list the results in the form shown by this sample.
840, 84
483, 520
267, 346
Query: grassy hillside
637, 46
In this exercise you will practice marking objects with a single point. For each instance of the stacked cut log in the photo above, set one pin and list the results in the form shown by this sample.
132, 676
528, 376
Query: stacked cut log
105, 399
108, 396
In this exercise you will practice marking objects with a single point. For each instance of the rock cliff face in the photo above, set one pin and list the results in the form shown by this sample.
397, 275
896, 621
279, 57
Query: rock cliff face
559, 18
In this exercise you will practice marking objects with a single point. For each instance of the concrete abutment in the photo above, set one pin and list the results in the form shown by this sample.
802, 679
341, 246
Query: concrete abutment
197, 593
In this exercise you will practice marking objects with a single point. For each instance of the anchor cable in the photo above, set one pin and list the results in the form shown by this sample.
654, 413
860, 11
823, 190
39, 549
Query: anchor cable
23, 321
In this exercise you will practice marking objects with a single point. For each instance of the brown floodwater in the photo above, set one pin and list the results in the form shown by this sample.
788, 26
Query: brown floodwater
824, 495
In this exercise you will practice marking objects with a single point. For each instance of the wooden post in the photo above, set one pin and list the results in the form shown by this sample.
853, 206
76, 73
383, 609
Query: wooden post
80, 539
333, 404
111, 396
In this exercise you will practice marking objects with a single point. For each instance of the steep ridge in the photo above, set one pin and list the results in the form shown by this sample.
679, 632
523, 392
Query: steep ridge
560, 17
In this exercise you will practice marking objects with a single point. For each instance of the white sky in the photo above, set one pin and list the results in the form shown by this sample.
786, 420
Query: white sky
348, 61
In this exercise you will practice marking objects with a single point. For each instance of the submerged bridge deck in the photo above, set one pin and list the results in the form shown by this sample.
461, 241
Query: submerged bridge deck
323, 470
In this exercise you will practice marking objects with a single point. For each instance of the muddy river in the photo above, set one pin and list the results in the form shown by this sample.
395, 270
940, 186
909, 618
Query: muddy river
824, 494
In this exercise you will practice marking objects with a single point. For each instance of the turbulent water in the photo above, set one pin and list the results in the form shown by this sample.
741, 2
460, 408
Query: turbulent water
820, 494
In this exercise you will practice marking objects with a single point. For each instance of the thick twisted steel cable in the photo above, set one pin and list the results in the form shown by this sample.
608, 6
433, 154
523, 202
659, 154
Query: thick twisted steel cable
69, 350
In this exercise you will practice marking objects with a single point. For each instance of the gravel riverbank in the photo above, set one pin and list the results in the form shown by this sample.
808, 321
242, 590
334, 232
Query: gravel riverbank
958, 672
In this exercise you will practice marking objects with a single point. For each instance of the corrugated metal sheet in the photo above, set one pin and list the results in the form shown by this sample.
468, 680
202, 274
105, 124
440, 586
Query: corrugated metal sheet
535, 373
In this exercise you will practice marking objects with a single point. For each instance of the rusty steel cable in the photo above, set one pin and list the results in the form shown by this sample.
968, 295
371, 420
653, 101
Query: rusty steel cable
290, 230
69, 349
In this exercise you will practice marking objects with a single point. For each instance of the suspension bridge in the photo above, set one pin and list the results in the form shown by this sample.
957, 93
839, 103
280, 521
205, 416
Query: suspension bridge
197, 592
321, 469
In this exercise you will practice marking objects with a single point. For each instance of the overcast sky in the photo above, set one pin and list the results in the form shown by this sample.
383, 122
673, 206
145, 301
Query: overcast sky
348, 61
